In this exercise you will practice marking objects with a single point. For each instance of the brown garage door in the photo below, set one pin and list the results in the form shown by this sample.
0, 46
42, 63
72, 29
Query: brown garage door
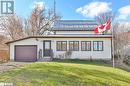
25, 53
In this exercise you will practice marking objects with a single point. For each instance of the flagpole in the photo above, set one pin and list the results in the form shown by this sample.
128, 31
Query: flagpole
112, 40
113, 59
54, 8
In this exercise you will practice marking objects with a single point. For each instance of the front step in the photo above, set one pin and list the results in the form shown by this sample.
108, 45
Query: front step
45, 59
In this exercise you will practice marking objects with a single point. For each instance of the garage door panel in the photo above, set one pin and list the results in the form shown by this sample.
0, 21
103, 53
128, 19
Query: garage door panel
25, 53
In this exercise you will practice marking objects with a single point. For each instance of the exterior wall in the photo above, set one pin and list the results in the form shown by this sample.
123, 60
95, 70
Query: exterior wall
73, 32
105, 54
31, 41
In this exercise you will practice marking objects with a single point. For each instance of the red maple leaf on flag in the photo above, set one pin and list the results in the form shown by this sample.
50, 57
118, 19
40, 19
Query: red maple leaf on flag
103, 27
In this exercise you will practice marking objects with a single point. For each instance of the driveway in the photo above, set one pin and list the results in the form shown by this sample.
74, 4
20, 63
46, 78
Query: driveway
11, 65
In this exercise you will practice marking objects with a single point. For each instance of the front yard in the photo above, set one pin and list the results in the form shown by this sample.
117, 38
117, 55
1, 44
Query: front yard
66, 73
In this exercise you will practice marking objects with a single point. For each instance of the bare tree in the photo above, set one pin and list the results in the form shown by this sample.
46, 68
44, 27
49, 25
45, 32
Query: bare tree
12, 26
2, 39
39, 21
104, 17
121, 41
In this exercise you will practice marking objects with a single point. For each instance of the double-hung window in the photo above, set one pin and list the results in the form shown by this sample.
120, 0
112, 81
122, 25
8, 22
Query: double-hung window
61, 45
74, 45
85, 45
98, 45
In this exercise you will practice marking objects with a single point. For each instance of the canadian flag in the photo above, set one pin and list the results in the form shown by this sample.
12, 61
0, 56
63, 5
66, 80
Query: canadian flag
108, 25
103, 27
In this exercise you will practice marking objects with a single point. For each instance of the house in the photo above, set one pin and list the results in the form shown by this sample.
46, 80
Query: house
71, 39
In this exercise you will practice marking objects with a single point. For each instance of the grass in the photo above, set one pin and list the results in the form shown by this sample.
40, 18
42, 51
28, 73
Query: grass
67, 73
77, 61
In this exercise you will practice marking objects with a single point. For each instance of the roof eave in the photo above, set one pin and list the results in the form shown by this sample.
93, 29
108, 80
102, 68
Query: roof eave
61, 36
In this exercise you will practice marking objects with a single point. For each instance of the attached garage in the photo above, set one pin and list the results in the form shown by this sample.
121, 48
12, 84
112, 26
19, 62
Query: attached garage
26, 53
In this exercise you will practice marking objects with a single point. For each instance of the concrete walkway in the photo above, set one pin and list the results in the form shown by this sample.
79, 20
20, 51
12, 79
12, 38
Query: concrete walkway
11, 65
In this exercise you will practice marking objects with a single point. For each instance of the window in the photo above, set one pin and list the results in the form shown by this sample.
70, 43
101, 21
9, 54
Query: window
98, 45
61, 45
86, 45
73, 45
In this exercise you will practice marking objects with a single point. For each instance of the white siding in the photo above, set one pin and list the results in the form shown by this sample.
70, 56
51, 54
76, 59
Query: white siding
30, 41
105, 54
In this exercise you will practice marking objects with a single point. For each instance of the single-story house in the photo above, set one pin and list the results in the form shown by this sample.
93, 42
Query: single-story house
71, 39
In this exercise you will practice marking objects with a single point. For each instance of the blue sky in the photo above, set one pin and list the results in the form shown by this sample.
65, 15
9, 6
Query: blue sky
77, 9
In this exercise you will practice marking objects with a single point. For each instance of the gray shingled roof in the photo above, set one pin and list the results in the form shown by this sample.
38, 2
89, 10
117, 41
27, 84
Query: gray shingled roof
63, 25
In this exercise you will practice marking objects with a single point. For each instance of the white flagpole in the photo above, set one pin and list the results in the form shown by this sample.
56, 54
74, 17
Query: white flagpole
113, 59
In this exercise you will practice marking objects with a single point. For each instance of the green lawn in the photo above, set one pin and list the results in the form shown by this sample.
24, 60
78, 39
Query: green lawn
67, 73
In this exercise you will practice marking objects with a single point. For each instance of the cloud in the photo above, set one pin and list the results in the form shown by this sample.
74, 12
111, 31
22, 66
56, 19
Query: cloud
124, 12
40, 5
94, 8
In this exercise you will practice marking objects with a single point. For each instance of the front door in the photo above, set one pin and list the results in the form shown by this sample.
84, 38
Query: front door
47, 48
